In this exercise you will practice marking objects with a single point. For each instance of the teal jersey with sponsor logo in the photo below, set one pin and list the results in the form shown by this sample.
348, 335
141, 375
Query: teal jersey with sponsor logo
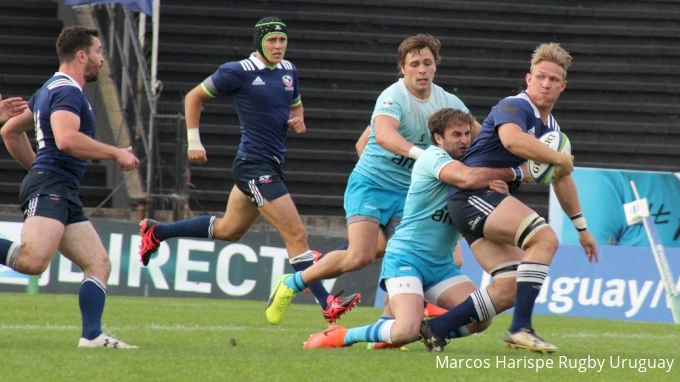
426, 230
602, 193
385, 167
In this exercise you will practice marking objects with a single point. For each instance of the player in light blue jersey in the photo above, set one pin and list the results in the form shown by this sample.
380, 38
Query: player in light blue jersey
604, 192
418, 263
508, 138
266, 95
54, 219
377, 187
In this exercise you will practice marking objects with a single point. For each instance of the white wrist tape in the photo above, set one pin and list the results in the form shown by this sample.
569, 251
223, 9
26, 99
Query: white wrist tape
579, 222
415, 152
194, 140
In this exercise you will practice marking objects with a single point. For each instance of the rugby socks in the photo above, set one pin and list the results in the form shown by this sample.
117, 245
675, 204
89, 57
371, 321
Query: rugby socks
530, 278
201, 226
9, 251
91, 299
302, 262
295, 282
477, 307
377, 332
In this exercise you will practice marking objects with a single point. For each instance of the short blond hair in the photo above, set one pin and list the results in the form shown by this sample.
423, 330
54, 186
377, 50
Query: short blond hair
552, 52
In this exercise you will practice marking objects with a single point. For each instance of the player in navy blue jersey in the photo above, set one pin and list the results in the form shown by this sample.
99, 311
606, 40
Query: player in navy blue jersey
265, 93
53, 214
493, 222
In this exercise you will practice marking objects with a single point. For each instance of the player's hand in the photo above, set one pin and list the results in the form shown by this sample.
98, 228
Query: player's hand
499, 186
526, 177
589, 245
565, 166
197, 156
126, 159
11, 107
297, 124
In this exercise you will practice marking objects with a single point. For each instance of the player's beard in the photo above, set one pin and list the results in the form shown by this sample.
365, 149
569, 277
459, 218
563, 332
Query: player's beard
91, 72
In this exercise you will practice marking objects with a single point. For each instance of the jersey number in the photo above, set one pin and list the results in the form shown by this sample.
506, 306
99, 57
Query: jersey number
39, 137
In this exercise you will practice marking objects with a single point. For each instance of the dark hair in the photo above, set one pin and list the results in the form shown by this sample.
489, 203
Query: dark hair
438, 121
415, 44
73, 39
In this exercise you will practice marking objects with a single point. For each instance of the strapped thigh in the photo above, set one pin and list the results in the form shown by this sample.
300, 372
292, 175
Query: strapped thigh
529, 226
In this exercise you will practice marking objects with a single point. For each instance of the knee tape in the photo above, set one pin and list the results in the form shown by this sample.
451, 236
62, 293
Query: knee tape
529, 226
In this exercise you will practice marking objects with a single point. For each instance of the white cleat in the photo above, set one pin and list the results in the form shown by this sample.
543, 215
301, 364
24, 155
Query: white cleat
105, 340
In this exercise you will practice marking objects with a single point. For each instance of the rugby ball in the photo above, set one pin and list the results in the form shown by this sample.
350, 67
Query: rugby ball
544, 173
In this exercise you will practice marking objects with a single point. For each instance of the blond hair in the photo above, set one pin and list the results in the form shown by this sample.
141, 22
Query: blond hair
552, 52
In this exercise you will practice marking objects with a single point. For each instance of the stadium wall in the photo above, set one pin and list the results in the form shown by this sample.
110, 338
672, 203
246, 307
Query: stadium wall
623, 290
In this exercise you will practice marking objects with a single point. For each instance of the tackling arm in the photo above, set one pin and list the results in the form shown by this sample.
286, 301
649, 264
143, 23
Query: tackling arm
473, 178
16, 140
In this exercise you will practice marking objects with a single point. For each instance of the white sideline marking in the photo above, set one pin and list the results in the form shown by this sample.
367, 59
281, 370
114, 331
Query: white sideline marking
179, 328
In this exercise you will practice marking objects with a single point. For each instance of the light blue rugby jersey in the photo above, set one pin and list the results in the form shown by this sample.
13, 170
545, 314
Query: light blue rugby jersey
426, 230
385, 167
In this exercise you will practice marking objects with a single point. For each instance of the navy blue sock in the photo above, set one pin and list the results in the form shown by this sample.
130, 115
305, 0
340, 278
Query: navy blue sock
91, 298
317, 288
530, 278
342, 247
196, 227
8, 252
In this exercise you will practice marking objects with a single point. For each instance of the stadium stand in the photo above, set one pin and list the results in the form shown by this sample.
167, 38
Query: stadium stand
28, 30
619, 110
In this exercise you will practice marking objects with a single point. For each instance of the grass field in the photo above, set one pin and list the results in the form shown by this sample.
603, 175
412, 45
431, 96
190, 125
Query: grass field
191, 340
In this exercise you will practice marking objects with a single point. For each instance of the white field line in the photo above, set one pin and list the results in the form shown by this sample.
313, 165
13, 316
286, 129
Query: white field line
178, 328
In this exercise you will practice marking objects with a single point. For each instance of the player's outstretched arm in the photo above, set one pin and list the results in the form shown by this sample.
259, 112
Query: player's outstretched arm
69, 139
16, 140
567, 195
387, 135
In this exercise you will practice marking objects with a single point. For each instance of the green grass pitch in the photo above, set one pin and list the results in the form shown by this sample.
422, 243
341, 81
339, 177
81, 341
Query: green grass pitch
202, 340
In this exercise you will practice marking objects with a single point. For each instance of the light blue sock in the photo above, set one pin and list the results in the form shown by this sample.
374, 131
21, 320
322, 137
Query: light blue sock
295, 282
376, 332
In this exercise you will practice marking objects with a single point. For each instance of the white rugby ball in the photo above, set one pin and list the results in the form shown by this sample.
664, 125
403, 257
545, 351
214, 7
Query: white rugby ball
544, 173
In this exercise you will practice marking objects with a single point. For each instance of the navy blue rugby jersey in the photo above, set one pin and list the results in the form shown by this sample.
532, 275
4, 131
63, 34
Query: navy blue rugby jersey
61, 92
263, 98
488, 151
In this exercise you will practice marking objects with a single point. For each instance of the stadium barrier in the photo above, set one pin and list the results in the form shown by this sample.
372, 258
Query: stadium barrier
624, 285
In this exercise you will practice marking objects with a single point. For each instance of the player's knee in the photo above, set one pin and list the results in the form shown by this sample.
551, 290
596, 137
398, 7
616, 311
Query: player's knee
98, 266
32, 262
355, 261
534, 231
403, 333
504, 287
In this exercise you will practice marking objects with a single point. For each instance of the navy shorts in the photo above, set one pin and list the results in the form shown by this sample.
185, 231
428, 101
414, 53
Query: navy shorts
260, 179
469, 210
51, 195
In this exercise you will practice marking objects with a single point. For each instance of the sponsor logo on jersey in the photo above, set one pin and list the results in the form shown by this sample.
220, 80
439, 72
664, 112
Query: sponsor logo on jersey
264, 179
473, 223
258, 81
288, 81
388, 102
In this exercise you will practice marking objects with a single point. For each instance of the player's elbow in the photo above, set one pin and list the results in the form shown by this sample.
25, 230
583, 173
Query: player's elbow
63, 144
